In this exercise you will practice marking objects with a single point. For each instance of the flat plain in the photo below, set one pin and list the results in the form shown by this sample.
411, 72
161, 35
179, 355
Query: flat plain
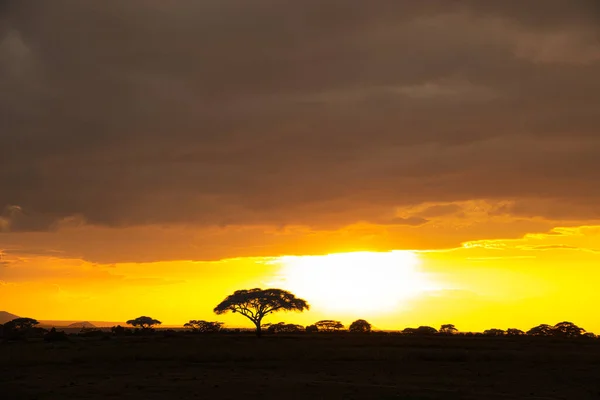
322, 366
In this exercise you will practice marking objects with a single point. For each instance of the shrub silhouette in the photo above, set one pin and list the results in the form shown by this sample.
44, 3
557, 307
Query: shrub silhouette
201, 326
420, 331
312, 329
255, 304
494, 332
121, 331
360, 326
54, 336
282, 327
328, 325
143, 322
91, 332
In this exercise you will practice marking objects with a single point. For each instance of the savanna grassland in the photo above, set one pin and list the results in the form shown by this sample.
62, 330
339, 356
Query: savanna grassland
321, 366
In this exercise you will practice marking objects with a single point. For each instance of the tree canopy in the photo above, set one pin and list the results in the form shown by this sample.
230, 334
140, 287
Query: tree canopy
421, 331
20, 324
541, 330
144, 322
448, 329
202, 326
255, 304
328, 325
360, 326
283, 327
567, 329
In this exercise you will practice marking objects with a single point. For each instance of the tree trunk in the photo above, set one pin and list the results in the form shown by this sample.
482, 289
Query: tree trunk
258, 329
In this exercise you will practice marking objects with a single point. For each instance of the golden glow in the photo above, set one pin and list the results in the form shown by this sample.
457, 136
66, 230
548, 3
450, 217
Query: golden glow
360, 282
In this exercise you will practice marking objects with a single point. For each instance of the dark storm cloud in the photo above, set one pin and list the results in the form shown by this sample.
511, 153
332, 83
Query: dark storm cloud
315, 112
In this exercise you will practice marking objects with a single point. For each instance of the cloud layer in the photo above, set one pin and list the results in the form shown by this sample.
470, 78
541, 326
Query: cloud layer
318, 113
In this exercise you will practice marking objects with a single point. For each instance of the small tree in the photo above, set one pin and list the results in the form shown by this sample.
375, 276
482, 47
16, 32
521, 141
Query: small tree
360, 326
328, 325
201, 326
144, 322
448, 329
312, 329
255, 304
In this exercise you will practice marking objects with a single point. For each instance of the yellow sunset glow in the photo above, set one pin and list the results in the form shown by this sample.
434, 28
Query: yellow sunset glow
366, 282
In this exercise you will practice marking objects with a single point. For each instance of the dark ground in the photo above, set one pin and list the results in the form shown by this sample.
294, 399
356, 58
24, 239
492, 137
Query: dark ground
301, 367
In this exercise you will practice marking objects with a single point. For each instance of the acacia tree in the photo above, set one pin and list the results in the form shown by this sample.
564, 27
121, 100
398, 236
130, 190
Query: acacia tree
21, 324
448, 329
328, 325
360, 326
204, 326
144, 322
255, 304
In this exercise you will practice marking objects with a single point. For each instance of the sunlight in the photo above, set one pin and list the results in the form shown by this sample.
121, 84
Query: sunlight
355, 282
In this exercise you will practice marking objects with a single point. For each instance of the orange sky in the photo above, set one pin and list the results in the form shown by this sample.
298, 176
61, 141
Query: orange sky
537, 278
154, 168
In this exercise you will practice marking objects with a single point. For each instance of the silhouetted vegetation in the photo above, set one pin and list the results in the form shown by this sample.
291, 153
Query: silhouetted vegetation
22, 328
201, 326
312, 329
144, 322
121, 331
328, 325
55, 336
360, 326
283, 327
514, 332
448, 329
255, 304
421, 331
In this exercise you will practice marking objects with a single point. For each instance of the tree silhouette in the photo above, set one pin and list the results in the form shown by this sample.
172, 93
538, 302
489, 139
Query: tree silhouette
282, 327
448, 329
567, 329
144, 322
541, 330
514, 332
204, 326
328, 325
360, 326
21, 324
255, 304
312, 329
421, 331
494, 332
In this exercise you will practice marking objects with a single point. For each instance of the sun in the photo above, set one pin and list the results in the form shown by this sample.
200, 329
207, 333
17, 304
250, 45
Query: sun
354, 283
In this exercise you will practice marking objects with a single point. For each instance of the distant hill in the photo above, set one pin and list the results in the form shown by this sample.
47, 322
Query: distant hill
6, 316
78, 324
83, 324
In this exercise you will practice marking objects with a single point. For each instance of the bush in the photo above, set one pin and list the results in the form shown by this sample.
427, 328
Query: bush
55, 336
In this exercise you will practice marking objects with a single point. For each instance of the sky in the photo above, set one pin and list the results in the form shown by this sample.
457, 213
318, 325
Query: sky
156, 156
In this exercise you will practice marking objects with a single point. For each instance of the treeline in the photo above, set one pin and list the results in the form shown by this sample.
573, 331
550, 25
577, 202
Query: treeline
255, 304
26, 328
